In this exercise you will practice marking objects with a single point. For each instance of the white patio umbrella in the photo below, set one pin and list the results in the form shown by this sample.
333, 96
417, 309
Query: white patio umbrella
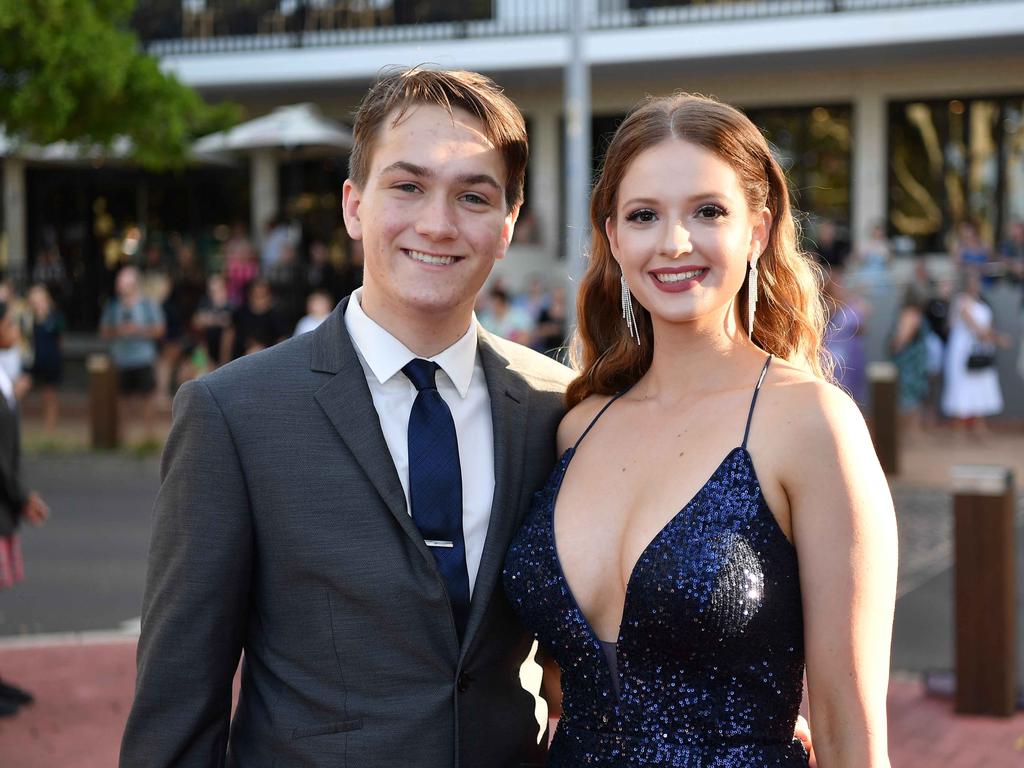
291, 127
298, 129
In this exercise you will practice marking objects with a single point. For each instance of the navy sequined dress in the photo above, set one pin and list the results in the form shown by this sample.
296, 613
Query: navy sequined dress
707, 671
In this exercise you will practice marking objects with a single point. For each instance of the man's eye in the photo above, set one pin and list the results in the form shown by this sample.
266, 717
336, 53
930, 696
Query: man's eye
407, 187
644, 215
474, 199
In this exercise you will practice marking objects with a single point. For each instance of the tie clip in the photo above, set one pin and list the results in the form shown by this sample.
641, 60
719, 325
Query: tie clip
438, 543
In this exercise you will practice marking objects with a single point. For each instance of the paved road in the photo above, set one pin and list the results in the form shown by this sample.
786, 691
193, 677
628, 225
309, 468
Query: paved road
86, 568
923, 629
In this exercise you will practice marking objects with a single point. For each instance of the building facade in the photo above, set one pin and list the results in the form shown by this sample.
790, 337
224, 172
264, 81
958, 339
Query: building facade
903, 112
907, 112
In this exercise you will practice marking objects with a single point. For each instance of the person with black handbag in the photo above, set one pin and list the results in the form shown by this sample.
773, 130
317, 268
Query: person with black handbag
972, 390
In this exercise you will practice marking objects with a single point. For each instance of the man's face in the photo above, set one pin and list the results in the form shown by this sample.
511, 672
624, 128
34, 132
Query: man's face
431, 216
127, 283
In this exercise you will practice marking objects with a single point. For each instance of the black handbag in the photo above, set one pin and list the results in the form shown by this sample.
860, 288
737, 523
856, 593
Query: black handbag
981, 357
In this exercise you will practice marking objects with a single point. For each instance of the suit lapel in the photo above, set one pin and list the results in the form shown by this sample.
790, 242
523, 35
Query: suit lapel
347, 402
509, 395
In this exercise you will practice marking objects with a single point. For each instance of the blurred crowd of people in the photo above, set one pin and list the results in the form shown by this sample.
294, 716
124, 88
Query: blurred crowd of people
171, 318
537, 317
944, 341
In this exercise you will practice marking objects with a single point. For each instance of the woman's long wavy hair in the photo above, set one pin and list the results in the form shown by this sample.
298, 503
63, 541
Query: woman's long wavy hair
790, 317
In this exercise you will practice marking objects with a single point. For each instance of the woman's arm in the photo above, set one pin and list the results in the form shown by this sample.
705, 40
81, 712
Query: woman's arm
551, 687
981, 332
907, 326
844, 529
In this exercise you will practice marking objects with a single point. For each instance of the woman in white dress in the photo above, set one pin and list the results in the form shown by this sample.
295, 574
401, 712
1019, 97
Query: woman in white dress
971, 388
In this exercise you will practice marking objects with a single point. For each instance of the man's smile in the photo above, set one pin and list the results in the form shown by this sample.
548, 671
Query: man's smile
434, 259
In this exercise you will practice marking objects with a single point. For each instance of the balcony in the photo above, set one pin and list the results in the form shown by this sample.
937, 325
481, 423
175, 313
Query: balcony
182, 27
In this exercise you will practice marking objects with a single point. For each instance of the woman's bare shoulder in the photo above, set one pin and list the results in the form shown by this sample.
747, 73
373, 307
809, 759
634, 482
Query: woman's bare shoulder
578, 419
807, 409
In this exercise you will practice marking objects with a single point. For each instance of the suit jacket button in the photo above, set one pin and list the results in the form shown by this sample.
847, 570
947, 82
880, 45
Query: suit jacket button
463, 682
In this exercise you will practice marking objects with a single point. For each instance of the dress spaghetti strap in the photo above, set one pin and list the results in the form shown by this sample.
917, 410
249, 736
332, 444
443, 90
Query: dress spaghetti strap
600, 413
753, 400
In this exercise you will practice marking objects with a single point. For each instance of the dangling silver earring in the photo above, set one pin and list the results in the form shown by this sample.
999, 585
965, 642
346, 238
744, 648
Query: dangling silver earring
751, 294
627, 311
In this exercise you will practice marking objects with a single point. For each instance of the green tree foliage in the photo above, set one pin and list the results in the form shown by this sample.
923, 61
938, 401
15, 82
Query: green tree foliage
73, 70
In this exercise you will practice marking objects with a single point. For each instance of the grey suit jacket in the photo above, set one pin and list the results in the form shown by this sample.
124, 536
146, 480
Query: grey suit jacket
281, 529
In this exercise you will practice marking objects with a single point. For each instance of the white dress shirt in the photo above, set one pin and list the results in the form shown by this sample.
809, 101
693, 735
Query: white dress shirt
463, 388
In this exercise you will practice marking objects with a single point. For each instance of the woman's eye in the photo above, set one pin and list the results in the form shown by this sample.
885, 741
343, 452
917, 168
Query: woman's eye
710, 211
644, 215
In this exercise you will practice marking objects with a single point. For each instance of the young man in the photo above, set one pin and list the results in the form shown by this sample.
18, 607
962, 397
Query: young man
339, 506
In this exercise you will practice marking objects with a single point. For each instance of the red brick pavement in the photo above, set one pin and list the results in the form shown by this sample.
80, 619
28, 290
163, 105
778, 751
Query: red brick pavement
83, 691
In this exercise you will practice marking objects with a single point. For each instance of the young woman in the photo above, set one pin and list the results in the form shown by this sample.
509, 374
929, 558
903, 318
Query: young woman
718, 516
47, 359
972, 389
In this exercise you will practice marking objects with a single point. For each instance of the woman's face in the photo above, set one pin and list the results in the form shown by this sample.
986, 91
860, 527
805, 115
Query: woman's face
683, 234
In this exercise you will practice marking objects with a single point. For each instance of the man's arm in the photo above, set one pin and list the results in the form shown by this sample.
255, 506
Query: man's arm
197, 590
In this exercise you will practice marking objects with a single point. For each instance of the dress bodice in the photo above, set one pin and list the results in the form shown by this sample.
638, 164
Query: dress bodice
709, 655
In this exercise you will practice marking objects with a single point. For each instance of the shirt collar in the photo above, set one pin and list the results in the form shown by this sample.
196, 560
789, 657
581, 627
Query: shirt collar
386, 356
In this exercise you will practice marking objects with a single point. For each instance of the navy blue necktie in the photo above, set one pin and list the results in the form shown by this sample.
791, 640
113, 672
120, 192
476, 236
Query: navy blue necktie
435, 484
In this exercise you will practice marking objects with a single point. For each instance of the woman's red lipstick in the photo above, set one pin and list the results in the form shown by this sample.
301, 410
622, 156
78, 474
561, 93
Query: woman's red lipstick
678, 285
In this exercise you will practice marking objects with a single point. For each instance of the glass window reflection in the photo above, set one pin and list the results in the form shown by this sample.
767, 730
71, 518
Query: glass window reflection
955, 161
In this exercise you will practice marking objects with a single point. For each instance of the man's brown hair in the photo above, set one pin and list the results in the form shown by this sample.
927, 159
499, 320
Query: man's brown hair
398, 90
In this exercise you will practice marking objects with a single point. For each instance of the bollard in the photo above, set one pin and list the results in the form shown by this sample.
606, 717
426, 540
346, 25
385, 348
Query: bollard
884, 379
103, 417
985, 590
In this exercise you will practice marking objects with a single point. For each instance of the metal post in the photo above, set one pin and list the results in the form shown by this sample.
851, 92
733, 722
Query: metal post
577, 152
985, 603
884, 380
103, 416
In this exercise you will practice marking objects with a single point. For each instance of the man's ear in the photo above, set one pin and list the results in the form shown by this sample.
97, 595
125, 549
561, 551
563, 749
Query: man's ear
507, 229
351, 196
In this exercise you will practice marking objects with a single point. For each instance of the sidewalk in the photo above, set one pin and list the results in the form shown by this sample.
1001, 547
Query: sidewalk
84, 690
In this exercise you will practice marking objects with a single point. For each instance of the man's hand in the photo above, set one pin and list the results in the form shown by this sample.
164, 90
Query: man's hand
35, 509
803, 732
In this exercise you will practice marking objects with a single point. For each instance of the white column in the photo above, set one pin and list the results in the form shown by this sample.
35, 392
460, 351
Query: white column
870, 151
544, 182
263, 199
15, 217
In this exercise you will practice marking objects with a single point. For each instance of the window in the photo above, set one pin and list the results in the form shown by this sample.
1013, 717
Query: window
955, 160
811, 143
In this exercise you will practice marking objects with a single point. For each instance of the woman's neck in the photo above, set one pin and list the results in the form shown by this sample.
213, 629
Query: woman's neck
697, 356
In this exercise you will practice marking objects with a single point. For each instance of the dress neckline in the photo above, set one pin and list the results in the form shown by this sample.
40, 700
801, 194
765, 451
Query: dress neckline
564, 466
567, 457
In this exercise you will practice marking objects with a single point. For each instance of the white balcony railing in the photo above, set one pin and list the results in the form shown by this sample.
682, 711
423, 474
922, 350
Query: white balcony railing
175, 27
